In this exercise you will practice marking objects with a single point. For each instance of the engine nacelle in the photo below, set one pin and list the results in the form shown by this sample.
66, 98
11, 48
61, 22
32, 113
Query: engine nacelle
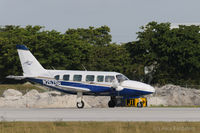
119, 88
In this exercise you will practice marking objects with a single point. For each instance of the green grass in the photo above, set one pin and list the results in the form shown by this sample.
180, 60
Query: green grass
99, 127
20, 87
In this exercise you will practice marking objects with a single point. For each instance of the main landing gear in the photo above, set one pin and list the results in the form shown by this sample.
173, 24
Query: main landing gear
112, 102
80, 104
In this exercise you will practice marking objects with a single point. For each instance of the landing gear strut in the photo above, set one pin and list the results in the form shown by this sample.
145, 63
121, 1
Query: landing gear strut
80, 103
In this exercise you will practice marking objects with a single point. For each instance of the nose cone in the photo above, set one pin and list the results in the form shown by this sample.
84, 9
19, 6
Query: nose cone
151, 89
138, 86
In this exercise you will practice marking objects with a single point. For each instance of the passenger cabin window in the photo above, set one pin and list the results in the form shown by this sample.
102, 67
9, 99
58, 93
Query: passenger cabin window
57, 77
100, 78
90, 78
77, 78
66, 77
109, 78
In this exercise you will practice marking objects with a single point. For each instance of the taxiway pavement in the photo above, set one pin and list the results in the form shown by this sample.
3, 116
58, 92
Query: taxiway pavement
100, 114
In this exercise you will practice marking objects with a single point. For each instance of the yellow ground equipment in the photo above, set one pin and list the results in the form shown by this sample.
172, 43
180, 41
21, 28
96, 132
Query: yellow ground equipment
136, 102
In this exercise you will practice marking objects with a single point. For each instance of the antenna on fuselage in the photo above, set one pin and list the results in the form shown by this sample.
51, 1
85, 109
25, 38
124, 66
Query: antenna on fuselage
83, 67
53, 68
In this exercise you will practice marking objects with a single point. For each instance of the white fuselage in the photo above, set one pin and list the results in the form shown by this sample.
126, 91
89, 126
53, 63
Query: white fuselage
94, 83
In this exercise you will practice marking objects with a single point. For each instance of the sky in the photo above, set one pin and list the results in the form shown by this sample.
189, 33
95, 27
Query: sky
124, 17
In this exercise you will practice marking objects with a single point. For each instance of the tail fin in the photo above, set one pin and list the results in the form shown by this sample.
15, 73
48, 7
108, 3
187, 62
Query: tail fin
30, 65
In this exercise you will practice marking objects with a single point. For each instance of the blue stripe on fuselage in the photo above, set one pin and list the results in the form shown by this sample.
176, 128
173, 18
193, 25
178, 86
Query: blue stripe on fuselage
40, 81
94, 89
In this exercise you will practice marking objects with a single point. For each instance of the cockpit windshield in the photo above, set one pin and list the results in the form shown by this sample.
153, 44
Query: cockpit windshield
121, 78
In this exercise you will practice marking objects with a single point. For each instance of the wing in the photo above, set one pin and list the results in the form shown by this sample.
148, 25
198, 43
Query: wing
76, 89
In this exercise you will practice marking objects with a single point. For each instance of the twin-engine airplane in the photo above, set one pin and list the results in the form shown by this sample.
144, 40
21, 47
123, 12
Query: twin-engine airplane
81, 83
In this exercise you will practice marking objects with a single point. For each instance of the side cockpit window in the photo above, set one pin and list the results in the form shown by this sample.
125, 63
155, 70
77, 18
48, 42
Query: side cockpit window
100, 78
109, 78
77, 78
121, 78
66, 77
57, 77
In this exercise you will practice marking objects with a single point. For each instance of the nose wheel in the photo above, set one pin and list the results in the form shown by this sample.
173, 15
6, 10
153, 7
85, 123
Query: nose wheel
140, 104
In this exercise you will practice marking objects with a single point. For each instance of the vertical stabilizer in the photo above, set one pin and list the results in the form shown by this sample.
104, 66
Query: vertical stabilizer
30, 65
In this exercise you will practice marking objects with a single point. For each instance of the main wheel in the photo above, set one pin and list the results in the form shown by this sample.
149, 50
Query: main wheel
111, 104
80, 104
139, 104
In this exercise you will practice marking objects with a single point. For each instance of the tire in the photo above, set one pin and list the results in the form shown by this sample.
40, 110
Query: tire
139, 104
146, 104
80, 105
111, 104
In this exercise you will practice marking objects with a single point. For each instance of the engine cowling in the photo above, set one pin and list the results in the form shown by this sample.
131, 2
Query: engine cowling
117, 86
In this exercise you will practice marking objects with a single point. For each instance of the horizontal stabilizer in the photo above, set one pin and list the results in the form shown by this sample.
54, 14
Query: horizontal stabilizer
16, 77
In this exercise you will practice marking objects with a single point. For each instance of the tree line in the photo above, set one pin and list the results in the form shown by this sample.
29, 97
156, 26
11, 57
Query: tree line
160, 55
